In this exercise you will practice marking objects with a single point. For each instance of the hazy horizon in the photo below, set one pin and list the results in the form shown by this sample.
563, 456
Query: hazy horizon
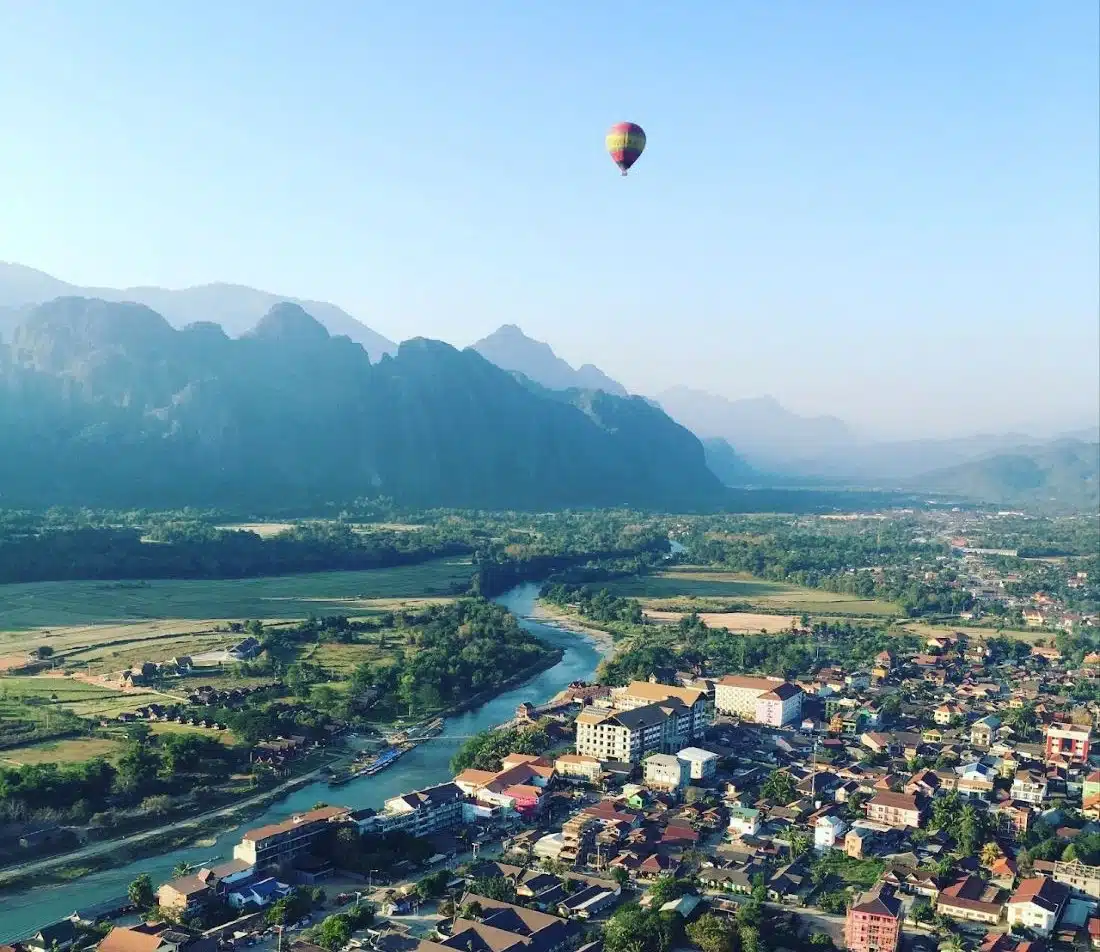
883, 214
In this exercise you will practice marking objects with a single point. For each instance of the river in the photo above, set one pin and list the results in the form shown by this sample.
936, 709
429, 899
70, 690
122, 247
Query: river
21, 914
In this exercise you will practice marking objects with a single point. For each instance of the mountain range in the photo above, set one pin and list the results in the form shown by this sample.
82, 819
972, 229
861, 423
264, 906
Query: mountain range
745, 442
106, 403
510, 349
235, 307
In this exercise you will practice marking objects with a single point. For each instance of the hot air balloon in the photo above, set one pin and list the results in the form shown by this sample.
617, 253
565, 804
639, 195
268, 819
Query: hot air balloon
625, 142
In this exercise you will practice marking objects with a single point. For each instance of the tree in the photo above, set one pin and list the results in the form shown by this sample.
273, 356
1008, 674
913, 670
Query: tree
712, 933
799, 843
182, 869
633, 929
333, 933
991, 852
494, 887
668, 888
779, 788
921, 910
620, 875
433, 884
969, 831
141, 892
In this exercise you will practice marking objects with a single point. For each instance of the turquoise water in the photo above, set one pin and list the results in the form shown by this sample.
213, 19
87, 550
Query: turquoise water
21, 914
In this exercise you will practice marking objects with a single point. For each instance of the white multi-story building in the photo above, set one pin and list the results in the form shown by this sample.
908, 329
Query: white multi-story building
694, 719
744, 821
628, 736
281, 843
1037, 904
828, 831
780, 706
1028, 787
701, 763
666, 772
738, 693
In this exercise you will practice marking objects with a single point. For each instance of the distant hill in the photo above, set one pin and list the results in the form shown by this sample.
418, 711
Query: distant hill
1064, 474
235, 307
105, 403
729, 467
510, 349
760, 428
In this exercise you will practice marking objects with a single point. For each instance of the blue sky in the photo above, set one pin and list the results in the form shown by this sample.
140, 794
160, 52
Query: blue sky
887, 211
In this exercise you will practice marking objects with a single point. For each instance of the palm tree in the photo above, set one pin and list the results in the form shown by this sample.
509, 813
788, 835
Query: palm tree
991, 852
952, 943
182, 869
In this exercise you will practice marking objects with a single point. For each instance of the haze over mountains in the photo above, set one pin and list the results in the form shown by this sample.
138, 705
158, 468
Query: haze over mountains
235, 307
106, 403
747, 442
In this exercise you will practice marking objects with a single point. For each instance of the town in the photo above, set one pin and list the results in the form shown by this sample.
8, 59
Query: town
942, 798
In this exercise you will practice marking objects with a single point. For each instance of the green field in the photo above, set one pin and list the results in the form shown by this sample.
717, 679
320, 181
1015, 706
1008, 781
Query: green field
83, 699
708, 590
67, 751
40, 605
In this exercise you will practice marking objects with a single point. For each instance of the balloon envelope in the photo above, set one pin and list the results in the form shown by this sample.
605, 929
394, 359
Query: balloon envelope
625, 142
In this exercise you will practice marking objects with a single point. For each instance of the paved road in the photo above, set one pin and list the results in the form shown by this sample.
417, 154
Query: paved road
108, 846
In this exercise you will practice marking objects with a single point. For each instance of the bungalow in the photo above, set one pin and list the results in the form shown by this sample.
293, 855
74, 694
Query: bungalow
259, 894
971, 900
58, 936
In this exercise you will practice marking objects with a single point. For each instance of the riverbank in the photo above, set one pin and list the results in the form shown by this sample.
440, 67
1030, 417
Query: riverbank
557, 618
66, 867
25, 910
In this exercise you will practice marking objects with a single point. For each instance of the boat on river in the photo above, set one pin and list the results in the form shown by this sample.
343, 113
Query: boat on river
379, 762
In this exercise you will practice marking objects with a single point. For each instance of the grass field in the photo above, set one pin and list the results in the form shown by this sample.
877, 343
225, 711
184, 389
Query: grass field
1031, 636
225, 737
670, 590
83, 699
751, 622
47, 605
344, 659
68, 751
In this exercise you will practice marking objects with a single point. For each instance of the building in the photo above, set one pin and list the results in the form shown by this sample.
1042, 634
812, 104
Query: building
694, 719
518, 785
1067, 742
577, 767
57, 936
281, 843
1028, 787
972, 900
983, 732
187, 895
899, 810
828, 831
946, 713
420, 813
666, 772
874, 923
780, 706
737, 694
258, 894
702, 764
154, 937
1081, 879
629, 736
744, 821
1037, 904
503, 926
